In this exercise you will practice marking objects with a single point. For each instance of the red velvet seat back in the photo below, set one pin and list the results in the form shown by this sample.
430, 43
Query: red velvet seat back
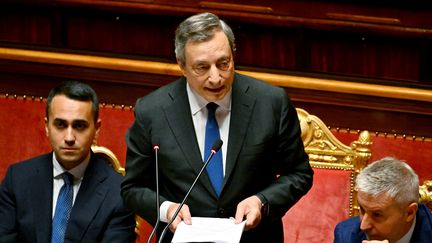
22, 130
332, 196
314, 217
416, 151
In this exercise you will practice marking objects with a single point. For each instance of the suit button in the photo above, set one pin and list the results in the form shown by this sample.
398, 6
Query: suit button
221, 211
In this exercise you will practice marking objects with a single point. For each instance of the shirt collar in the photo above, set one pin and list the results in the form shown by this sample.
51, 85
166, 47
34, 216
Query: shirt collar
197, 102
77, 171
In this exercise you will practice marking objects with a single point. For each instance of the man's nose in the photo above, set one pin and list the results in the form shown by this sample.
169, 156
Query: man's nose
69, 136
365, 223
214, 74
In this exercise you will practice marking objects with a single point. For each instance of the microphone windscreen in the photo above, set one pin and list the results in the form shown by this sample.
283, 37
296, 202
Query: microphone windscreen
217, 145
156, 144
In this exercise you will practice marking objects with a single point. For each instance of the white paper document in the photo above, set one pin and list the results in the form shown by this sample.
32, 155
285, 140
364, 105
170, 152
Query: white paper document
219, 230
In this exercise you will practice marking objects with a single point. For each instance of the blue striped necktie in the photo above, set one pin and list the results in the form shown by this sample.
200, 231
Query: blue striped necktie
63, 209
214, 168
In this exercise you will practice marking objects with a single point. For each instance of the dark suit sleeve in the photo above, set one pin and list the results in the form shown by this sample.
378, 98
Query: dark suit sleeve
138, 185
337, 234
121, 227
348, 231
8, 231
289, 159
112, 221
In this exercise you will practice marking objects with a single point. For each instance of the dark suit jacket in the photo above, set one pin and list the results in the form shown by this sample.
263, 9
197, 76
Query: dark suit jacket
348, 231
98, 214
264, 143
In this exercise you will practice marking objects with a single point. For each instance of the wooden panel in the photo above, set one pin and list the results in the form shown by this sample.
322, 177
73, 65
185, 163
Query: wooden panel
150, 36
389, 43
21, 25
365, 42
366, 55
121, 81
113, 87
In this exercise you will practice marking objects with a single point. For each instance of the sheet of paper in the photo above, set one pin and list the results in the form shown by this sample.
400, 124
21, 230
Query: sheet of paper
219, 230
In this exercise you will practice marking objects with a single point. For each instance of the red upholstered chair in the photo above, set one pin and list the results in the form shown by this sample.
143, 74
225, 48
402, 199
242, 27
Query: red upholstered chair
332, 197
22, 133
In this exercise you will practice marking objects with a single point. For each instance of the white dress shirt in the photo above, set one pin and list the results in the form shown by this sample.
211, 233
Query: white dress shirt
199, 118
77, 172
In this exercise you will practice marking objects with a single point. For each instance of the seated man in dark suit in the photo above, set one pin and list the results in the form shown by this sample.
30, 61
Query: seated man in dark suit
68, 195
388, 195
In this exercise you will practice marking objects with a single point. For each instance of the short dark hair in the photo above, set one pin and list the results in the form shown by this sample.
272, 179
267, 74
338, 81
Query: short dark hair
76, 91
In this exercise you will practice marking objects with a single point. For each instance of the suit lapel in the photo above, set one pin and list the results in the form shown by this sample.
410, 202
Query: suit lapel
241, 109
42, 196
89, 199
179, 118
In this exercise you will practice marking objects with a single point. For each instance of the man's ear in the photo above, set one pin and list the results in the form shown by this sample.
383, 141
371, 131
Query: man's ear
181, 65
411, 211
46, 126
97, 126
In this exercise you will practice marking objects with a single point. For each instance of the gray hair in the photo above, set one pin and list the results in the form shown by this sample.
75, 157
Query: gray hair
392, 177
200, 28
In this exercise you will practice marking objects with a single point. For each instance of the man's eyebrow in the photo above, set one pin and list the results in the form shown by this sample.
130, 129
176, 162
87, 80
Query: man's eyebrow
200, 62
371, 209
59, 119
79, 120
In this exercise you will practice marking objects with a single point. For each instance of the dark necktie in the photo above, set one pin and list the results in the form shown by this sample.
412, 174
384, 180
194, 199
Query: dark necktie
63, 209
214, 168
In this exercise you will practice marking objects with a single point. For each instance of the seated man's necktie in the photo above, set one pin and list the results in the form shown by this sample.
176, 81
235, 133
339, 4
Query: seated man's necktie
63, 209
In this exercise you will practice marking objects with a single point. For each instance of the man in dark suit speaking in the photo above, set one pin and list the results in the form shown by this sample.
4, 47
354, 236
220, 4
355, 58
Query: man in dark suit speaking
261, 170
68, 195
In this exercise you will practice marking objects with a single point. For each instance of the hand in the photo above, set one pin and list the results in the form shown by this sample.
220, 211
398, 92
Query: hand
251, 209
183, 215
375, 241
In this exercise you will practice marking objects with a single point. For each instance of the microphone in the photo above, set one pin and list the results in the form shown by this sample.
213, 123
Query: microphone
215, 148
156, 149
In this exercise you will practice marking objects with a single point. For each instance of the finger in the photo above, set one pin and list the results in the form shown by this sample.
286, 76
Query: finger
173, 226
186, 215
240, 213
252, 219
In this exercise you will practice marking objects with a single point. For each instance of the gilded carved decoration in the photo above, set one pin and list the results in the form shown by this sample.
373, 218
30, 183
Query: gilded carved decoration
327, 152
426, 193
110, 157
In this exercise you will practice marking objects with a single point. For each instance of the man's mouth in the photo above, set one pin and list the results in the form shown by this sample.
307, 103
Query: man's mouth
216, 90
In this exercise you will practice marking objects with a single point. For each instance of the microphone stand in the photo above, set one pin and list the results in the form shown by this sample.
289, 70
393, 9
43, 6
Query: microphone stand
156, 149
215, 148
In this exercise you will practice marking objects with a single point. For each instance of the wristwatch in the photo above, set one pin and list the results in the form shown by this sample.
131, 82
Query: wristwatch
264, 205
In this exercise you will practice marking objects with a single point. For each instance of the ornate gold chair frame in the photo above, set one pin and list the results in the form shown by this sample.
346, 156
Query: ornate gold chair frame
327, 152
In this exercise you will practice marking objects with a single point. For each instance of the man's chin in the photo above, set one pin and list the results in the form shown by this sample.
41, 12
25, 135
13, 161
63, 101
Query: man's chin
69, 161
215, 96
